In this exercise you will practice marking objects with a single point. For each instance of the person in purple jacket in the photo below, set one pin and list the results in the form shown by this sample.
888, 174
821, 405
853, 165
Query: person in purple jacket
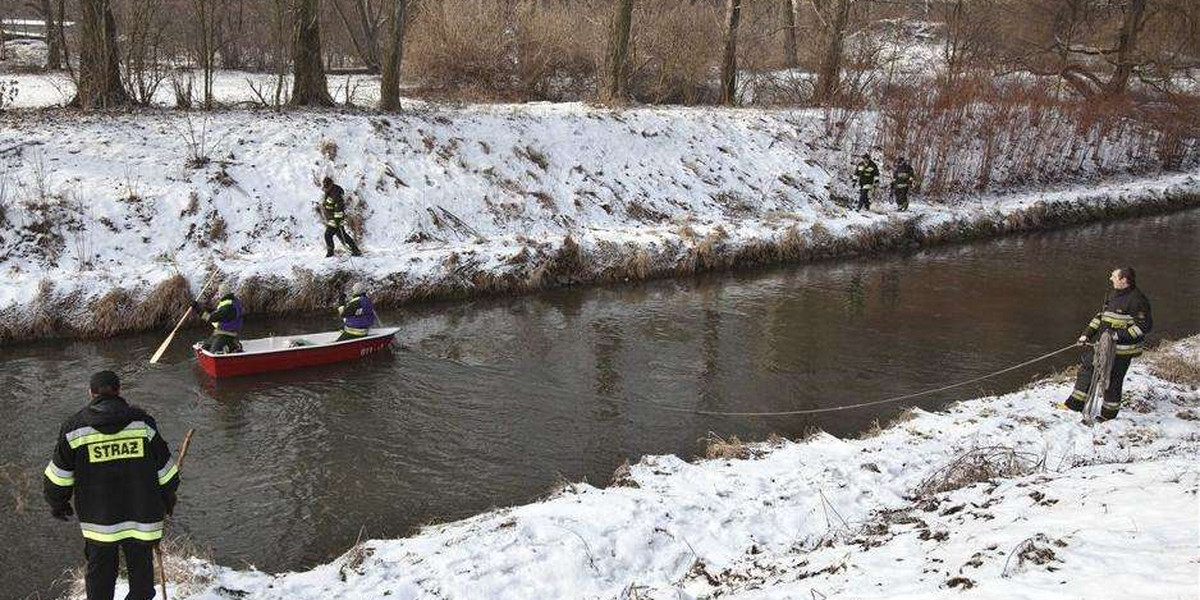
358, 314
226, 320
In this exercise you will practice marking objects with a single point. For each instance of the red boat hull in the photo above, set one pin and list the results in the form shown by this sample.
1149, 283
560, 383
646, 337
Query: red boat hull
233, 365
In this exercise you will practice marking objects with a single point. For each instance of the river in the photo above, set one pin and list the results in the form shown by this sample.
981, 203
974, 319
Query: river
488, 403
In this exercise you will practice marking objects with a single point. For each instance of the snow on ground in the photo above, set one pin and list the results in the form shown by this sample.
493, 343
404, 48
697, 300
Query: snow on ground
98, 203
1074, 512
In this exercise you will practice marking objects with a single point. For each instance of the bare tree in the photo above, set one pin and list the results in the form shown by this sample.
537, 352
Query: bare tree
733, 17
99, 82
835, 14
389, 85
206, 46
1127, 43
363, 29
309, 87
618, 55
54, 54
789, 34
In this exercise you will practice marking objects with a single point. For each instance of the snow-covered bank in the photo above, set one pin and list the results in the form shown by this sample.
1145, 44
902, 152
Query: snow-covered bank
105, 219
995, 497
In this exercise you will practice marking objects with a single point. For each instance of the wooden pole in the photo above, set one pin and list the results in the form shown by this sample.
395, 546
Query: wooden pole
162, 573
167, 342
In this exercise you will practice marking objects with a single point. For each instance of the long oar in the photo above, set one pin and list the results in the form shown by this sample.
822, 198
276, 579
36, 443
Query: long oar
167, 342
162, 573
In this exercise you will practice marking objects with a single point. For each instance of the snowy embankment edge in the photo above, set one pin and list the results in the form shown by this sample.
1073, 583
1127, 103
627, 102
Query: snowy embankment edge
91, 305
1063, 511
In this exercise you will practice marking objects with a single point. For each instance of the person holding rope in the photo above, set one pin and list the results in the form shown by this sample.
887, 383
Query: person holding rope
226, 319
1127, 315
113, 460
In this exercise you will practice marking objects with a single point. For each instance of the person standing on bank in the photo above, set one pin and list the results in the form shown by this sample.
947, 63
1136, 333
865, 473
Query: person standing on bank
866, 175
333, 209
1127, 314
358, 315
112, 459
902, 180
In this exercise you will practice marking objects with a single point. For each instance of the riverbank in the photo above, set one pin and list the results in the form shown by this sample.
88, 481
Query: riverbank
103, 235
994, 496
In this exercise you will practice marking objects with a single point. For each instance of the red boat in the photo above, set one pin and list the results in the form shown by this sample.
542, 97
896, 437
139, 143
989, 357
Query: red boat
292, 352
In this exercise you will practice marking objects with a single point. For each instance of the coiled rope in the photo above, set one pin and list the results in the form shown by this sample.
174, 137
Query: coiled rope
811, 411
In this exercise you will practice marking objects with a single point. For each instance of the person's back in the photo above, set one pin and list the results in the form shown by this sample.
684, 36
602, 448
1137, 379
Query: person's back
113, 462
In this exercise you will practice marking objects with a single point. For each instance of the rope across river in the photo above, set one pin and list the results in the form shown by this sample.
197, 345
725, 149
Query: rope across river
811, 411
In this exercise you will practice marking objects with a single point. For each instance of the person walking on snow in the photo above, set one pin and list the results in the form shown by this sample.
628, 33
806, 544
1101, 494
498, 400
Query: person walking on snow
866, 175
1127, 314
113, 461
902, 180
226, 319
333, 210
358, 315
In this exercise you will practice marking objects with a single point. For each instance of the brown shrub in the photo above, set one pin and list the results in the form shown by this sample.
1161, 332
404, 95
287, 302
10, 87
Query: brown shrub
1168, 363
676, 52
728, 448
502, 50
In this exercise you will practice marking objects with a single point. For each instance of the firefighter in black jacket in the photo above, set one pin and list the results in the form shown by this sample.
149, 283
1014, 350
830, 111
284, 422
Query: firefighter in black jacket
113, 459
1127, 314
902, 180
333, 209
866, 175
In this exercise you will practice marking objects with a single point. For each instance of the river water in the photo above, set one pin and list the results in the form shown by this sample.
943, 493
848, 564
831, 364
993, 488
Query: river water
488, 403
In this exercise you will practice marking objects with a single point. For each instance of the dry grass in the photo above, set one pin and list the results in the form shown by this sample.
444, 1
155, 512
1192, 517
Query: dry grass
19, 485
726, 448
1169, 363
187, 565
978, 465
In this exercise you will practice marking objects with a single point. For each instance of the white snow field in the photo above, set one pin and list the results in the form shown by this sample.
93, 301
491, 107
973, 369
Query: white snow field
1070, 512
103, 210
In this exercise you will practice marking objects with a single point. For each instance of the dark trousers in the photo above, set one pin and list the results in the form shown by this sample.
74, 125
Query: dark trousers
346, 335
222, 344
901, 194
339, 231
103, 561
864, 198
1116, 381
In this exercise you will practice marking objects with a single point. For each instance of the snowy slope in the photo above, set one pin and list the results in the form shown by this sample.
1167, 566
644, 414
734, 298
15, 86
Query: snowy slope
1104, 512
103, 210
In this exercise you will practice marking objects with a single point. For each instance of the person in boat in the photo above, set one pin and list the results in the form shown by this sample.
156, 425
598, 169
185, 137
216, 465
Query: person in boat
113, 461
358, 314
226, 319
333, 209
1127, 314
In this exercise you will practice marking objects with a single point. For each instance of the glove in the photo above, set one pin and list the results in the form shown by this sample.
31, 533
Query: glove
1081, 341
62, 513
169, 503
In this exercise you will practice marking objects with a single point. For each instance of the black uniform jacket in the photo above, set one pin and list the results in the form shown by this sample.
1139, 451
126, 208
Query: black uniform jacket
112, 459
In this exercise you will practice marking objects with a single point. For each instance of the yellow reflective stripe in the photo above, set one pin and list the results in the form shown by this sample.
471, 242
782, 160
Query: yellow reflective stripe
145, 536
219, 331
354, 330
59, 477
1135, 331
1094, 324
224, 303
124, 434
166, 478
1078, 395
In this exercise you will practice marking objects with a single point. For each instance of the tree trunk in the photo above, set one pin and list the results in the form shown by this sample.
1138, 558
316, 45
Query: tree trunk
53, 45
1127, 41
99, 84
389, 86
308, 86
370, 27
733, 15
830, 71
789, 34
365, 54
618, 56
60, 33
